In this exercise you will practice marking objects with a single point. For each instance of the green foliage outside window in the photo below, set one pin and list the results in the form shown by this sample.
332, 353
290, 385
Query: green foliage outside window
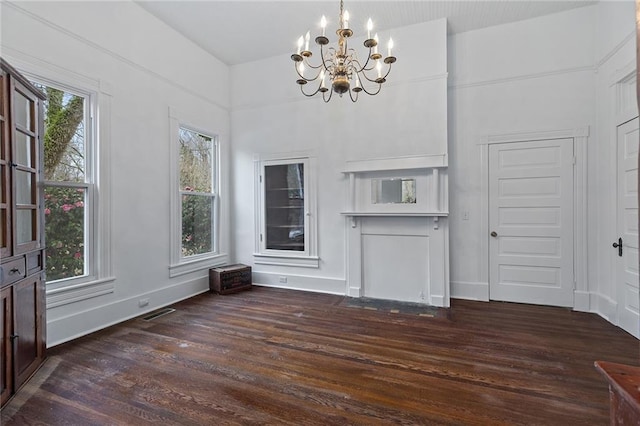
64, 218
196, 186
64, 161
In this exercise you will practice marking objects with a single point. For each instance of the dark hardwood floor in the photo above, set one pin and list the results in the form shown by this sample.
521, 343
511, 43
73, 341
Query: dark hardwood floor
272, 356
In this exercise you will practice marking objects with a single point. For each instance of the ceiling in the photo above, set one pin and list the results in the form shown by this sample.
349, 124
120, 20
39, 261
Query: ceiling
243, 31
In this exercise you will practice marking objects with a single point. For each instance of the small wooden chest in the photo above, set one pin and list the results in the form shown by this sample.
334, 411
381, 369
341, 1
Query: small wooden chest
230, 279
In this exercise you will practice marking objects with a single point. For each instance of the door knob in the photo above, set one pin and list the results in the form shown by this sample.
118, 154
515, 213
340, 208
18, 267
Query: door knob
618, 245
494, 234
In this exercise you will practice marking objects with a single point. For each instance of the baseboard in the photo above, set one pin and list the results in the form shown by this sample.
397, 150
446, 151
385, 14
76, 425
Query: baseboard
470, 290
300, 282
605, 307
355, 292
438, 301
582, 301
78, 324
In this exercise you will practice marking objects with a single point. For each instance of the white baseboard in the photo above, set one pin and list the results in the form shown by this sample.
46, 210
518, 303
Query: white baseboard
582, 301
300, 282
605, 307
78, 324
355, 292
439, 301
470, 290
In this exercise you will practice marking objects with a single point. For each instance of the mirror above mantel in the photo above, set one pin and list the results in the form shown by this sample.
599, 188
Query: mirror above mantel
401, 186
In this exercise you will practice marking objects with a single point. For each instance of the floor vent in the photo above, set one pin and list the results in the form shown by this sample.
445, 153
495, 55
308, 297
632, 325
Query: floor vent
160, 312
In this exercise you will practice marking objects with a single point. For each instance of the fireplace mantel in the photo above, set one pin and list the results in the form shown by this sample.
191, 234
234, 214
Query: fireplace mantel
398, 238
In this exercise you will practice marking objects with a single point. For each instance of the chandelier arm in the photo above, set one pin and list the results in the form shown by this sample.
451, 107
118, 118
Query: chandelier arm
308, 95
351, 95
307, 63
363, 67
368, 79
372, 93
325, 62
388, 71
324, 98
305, 78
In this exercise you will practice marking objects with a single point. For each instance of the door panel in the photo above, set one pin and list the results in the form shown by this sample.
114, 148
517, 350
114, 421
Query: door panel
627, 224
6, 330
531, 214
29, 352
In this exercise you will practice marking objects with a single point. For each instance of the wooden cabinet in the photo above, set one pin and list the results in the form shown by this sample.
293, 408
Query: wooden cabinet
22, 322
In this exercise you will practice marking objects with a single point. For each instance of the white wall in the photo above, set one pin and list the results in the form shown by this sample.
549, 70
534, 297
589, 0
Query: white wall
615, 57
146, 68
528, 76
550, 73
270, 116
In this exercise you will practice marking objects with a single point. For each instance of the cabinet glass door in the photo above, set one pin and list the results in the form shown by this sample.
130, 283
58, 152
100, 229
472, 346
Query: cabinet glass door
24, 169
285, 207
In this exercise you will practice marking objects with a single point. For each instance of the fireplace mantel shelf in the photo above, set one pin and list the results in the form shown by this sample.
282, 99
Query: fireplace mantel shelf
395, 214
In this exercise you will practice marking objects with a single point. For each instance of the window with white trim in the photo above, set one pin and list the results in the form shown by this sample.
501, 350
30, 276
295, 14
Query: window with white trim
198, 193
286, 205
69, 183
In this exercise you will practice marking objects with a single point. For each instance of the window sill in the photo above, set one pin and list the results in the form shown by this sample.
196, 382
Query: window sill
60, 295
194, 265
285, 260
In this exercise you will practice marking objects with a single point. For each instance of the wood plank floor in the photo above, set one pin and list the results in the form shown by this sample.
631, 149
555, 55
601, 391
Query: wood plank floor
272, 356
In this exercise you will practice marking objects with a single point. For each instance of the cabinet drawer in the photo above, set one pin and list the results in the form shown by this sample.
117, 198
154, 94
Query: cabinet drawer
34, 262
13, 271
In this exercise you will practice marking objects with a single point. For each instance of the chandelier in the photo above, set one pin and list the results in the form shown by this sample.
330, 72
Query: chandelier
341, 65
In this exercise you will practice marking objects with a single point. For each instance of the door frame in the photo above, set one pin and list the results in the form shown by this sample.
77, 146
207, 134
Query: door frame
580, 136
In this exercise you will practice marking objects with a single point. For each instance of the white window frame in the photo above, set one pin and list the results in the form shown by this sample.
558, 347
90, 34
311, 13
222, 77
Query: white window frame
263, 256
98, 279
180, 265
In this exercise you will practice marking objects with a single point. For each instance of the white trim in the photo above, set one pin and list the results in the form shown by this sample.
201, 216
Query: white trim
286, 260
194, 265
300, 282
113, 54
462, 85
580, 137
470, 290
396, 163
79, 291
630, 37
99, 280
179, 265
395, 214
263, 256
540, 135
78, 324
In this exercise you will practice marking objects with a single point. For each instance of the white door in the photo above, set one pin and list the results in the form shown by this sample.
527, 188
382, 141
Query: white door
627, 224
531, 222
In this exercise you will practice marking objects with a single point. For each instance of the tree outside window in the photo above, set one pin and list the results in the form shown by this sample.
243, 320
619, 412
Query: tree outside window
197, 192
66, 184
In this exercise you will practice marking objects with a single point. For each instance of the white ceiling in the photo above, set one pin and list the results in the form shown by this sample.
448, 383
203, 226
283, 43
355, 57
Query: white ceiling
242, 31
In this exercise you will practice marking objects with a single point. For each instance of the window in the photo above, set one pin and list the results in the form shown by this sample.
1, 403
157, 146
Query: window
196, 207
69, 184
198, 193
77, 220
286, 234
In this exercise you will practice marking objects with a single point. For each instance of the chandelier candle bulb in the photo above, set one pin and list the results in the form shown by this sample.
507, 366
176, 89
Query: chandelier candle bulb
346, 20
300, 42
390, 46
306, 43
323, 24
369, 28
375, 48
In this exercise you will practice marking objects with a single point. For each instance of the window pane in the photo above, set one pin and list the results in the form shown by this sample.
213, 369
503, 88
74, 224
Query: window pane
196, 160
25, 183
197, 224
22, 111
284, 185
24, 225
64, 138
65, 232
24, 144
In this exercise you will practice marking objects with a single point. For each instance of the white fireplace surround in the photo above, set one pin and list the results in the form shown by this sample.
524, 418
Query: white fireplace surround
398, 251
